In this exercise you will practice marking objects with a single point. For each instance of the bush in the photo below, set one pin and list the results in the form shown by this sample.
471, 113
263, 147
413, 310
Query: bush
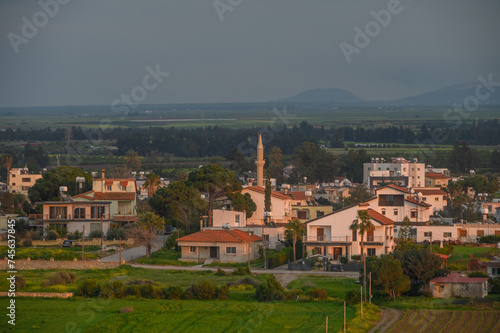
89, 288
20, 282
147, 291
174, 293
279, 258
293, 295
74, 235
158, 293
494, 285
133, 290
270, 290
356, 258
353, 297
36, 235
116, 233
52, 235
220, 272
344, 260
61, 278
241, 271
204, 290
189, 294
490, 239
477, 274
222, 293
318, 293
245, 281
95, 234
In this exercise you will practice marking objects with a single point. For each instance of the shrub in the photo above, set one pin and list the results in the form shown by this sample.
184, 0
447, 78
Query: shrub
220, 272
494, 285
293, 295
279, 258
353, 297
36, 235
61, 278
158, 293
117, 288
74, 235
204, 290
174, 293
222, 293
52, 235
95, 234
242, 271
189, 294
116, 233
344, 260
147, 291
356, 258
477, 274
89, 288
20, 282
270, 290
133, 290
318, 293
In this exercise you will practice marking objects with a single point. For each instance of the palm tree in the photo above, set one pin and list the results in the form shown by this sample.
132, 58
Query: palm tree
144, 231
295, 229
152, 183
362, 224
454, 189
132, 160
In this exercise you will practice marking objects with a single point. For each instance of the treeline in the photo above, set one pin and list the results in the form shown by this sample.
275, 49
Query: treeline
219, 141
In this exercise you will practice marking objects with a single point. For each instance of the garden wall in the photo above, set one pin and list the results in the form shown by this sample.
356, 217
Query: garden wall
25, 264
59, 241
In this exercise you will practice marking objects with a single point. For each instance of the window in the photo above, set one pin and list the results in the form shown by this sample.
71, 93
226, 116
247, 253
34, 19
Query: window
462, 233
369, 235
319, 213
124, 188
383, 212
13, 184
192, 249
436, 199
354, 236
26, 180
58, 212
446, 234
429, 182
13, 176
428, 234
230, 250
414, 214
97, 212
371, 252
25, 188
480, 233
79, 213
424, 199
237, 219
109, 187
395, 212
302, 214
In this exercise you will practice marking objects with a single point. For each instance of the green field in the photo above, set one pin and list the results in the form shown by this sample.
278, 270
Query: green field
460, 255
80, 315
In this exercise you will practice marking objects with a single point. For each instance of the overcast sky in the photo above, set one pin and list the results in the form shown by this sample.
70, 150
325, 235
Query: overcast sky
92, 51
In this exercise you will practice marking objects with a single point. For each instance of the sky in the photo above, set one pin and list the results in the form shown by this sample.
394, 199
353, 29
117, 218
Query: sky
95, 52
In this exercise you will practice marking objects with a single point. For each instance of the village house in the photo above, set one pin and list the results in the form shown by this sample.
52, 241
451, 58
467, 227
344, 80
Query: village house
20, 180
455, 285
331, 236
406, 173
221, 246
433, 179
433, 196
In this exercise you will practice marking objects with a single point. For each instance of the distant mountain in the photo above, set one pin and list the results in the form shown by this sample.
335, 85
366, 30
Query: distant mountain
324, 96
450, 95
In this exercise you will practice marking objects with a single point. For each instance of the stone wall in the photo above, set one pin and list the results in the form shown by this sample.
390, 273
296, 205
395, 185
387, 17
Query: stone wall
59, 241
27, 294
26, 264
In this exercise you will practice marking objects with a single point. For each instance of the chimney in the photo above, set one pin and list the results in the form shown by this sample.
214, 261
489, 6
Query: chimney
103, 186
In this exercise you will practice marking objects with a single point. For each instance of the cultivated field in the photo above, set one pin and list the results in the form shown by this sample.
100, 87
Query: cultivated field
444, 321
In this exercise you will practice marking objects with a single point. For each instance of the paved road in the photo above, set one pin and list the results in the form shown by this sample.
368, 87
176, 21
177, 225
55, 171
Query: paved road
136, 252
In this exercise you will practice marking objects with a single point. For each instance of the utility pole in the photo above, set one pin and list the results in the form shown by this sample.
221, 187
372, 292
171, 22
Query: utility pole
326, 324
83, 243
264, 247
248, 251
370, 296
120, 263
345, 325
361, 304
101, 236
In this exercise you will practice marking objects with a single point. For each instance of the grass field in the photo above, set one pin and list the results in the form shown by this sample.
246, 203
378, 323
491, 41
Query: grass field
448, 321
81, 315
336, 289
460, 255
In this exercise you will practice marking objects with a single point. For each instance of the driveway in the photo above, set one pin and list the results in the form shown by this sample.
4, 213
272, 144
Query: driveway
136, 252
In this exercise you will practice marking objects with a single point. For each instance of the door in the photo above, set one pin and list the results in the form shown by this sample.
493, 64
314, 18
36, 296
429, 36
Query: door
337, 252
369, 235
321, 234
214, 252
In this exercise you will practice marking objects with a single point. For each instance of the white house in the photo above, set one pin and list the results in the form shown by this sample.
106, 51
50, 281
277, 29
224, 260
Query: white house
330, 234
397, 168
281, 206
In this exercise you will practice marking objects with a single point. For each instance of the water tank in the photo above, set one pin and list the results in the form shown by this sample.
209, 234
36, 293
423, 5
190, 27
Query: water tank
63, 189
225, 226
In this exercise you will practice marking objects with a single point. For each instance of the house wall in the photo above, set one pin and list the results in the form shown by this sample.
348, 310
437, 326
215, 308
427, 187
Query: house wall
398, 213
77, 225
449, 290
414, 171
311, 211
221, 217
280, 208
276, 235
20, 180
202, 251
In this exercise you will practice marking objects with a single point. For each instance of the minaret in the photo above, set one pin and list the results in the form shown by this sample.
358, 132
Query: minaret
259, 162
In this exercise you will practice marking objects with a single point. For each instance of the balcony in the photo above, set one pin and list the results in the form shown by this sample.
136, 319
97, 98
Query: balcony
69, 217
327, 239
374, 239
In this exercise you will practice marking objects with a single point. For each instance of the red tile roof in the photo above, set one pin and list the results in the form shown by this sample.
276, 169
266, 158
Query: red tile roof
297, 195
430, 191
434, 175
453, 278
262, 190
399, 188
224, 236
420, 203
382, 219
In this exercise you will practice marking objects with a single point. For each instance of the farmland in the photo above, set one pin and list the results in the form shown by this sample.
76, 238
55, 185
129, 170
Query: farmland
432, 321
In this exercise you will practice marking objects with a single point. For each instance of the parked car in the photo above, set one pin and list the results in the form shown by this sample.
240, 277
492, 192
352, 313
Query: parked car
70, 243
